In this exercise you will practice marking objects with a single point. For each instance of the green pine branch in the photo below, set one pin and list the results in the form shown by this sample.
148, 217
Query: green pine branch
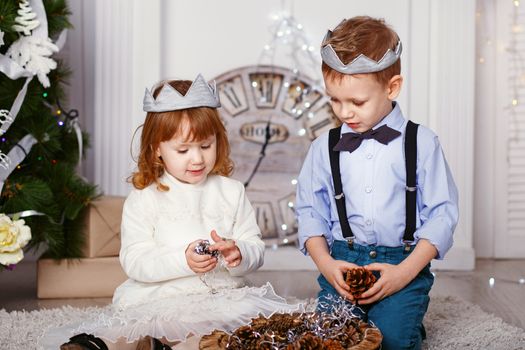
57, 16
8, 14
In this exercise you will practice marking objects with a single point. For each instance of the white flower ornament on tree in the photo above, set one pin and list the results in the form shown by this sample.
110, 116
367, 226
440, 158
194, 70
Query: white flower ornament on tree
29, 51
1, 38
32, 53
14, 235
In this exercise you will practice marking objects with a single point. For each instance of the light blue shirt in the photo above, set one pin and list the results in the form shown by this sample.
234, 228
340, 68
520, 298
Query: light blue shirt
374, 180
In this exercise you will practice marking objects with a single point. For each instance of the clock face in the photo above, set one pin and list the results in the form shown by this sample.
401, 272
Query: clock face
272, 114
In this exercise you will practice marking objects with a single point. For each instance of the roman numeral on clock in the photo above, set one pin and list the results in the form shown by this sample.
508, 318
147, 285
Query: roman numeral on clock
233, 96
265, 88
265, 218
321, 120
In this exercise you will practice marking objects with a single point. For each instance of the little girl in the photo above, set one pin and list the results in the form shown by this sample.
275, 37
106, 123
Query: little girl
178, 285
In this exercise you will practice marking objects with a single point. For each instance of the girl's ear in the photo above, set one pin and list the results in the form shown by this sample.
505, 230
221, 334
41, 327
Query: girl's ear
394, 87
157, 150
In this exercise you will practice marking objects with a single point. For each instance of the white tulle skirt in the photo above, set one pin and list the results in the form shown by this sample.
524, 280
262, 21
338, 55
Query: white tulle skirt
178, 317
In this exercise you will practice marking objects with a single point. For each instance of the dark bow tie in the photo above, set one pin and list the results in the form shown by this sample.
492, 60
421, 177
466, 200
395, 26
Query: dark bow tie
350, 141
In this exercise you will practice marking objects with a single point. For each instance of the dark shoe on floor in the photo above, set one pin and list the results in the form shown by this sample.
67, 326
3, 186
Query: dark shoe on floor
150, 343
84, 342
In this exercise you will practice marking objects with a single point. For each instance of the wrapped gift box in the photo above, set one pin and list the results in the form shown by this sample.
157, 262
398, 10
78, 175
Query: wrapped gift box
103, 227
79, 278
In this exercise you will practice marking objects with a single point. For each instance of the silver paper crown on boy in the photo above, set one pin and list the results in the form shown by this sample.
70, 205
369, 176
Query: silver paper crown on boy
200, 94
360, 64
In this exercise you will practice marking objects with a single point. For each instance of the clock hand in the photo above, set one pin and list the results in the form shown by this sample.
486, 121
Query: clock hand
297, 100
262, 153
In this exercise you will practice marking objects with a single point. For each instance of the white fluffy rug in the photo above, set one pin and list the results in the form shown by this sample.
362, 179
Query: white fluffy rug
455, 324
450, 323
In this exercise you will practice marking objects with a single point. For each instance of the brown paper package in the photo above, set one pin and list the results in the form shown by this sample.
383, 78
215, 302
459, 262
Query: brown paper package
103, 227
79, 278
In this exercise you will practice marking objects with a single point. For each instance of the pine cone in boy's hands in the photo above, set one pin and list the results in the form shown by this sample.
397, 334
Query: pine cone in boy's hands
359, 280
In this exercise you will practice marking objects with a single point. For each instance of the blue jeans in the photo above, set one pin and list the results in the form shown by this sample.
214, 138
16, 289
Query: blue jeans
399, 316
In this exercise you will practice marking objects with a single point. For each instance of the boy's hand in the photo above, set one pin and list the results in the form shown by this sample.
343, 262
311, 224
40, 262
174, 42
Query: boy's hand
333, 271
228, 248
396, 277
393, 278
199, 263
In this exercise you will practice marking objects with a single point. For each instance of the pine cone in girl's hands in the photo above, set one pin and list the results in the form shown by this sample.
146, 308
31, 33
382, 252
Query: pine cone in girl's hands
359, 280
204, 248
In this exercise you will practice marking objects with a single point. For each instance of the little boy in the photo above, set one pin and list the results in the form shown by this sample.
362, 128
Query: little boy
377, 191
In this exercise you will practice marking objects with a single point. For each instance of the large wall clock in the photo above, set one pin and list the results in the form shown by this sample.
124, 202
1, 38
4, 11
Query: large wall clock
272, 114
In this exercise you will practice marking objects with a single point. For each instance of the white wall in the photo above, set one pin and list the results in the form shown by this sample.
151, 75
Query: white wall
134, 43
499, 204
232, 33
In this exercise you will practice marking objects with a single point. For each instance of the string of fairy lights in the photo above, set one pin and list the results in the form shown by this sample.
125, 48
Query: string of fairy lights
289, 42
517, 83
289, 34
517, 68
63, 118
516, 58
515, 55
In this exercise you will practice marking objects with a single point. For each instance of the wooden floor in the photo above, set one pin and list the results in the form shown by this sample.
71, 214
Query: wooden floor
504, 297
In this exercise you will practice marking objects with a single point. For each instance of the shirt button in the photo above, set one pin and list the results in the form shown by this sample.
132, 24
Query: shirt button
368, 222
368, 189
369, 156
372, 254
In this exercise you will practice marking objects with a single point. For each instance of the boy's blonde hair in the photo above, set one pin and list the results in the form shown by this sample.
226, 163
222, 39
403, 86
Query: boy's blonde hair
363, 35
162, 126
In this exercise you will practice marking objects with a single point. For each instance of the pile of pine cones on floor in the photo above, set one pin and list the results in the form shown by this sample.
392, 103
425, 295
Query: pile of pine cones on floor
339, 330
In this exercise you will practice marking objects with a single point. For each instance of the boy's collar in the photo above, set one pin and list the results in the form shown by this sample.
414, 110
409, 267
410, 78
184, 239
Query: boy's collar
394, 119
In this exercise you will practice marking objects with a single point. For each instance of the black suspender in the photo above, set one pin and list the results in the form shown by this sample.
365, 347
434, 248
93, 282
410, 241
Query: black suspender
333, 138
411, 190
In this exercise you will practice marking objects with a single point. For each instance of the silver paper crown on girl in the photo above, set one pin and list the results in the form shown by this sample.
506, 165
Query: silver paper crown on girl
200, 94
360, 64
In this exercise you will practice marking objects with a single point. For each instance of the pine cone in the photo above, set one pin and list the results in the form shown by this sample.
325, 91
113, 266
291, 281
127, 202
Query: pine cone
233, 344
282, 323
371, 338
244, 332
214, 341
269, 333
331, 344
359, 280
260, 323
308, 341
250, 344
351, 335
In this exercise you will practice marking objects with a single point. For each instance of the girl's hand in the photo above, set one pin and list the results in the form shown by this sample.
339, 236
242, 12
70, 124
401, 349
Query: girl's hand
333, 271
228, 249
393, 278
199, 263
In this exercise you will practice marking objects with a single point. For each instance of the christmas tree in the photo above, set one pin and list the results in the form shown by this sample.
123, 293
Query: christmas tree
40, 143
